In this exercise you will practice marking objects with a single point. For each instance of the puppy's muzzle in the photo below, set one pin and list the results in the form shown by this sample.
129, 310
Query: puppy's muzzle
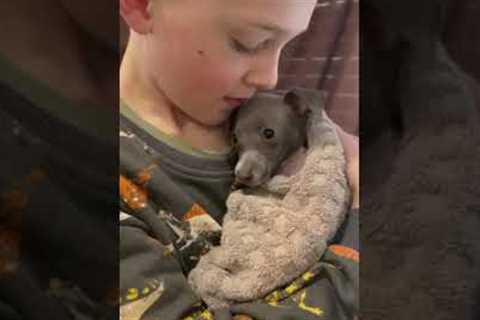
252, 169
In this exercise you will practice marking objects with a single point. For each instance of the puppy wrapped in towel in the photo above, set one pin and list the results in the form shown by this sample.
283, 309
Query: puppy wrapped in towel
292, 163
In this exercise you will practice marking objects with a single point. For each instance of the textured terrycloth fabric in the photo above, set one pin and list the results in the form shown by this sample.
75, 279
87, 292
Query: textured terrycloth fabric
274, 233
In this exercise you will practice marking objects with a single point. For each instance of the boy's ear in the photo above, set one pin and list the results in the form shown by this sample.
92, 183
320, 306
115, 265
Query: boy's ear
303, 101
136, 15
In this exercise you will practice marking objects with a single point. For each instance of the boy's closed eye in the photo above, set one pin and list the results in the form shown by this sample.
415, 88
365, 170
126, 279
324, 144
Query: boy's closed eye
253, 47
239, 46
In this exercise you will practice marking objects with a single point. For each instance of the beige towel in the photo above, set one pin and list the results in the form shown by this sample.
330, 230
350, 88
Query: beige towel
275, 233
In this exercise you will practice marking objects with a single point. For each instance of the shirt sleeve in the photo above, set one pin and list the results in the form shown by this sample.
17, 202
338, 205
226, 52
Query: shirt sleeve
152, 281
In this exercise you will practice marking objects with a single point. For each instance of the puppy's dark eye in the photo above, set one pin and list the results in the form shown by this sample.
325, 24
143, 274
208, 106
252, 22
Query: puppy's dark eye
268, 133
234, 139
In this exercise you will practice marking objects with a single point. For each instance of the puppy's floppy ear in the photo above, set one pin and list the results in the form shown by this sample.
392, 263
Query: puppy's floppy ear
303, 100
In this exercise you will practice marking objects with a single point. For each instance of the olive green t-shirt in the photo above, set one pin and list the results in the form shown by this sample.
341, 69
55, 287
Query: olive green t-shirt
172, 203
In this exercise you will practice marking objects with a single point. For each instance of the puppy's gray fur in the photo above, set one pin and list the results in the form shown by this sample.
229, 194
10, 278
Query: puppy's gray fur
261, 155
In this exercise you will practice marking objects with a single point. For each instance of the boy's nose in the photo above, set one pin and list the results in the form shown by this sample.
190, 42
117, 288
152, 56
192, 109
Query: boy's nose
263, 74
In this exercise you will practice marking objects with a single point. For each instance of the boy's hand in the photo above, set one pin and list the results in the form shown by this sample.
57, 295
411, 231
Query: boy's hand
351, 147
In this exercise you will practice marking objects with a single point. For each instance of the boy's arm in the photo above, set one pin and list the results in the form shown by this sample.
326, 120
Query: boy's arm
152, 281
151, 278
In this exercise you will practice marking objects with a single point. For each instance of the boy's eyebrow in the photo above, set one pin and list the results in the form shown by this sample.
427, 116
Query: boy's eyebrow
271, 27
268, 27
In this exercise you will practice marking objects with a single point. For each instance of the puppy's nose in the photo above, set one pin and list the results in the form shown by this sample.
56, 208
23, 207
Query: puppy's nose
244, 175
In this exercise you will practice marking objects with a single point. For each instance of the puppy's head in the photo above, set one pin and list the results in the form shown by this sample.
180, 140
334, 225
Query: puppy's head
266, 131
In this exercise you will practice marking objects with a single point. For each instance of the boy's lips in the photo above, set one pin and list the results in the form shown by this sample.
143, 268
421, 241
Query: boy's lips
235, 102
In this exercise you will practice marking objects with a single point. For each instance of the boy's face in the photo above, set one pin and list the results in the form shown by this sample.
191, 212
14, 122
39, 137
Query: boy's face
202, 55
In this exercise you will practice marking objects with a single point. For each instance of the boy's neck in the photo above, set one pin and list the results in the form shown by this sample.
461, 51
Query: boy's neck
152, 106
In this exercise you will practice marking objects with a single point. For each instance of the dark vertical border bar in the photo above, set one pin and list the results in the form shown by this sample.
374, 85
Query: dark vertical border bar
420, 160
59, 161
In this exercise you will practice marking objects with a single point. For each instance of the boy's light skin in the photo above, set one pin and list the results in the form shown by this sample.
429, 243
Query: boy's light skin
187, 58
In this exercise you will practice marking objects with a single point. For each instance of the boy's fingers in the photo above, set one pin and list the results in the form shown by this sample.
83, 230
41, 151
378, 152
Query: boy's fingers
353, 172
350, 143
351, 147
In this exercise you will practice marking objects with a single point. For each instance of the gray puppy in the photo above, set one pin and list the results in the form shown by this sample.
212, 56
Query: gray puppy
280, 227
266, 131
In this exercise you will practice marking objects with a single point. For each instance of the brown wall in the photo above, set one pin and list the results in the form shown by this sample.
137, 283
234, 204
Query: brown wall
326, 58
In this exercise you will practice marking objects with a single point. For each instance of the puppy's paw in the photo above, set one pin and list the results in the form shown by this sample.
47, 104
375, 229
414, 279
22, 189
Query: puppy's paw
278, 185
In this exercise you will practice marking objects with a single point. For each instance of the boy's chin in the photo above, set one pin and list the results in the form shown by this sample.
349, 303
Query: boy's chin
215, 121
213, 115
204, 119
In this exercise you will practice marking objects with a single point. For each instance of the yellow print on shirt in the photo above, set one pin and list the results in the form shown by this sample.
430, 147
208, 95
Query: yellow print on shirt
137, 302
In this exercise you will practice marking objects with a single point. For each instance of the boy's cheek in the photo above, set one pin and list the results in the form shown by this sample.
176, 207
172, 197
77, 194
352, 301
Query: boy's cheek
214, 67
214, 78
201, 68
